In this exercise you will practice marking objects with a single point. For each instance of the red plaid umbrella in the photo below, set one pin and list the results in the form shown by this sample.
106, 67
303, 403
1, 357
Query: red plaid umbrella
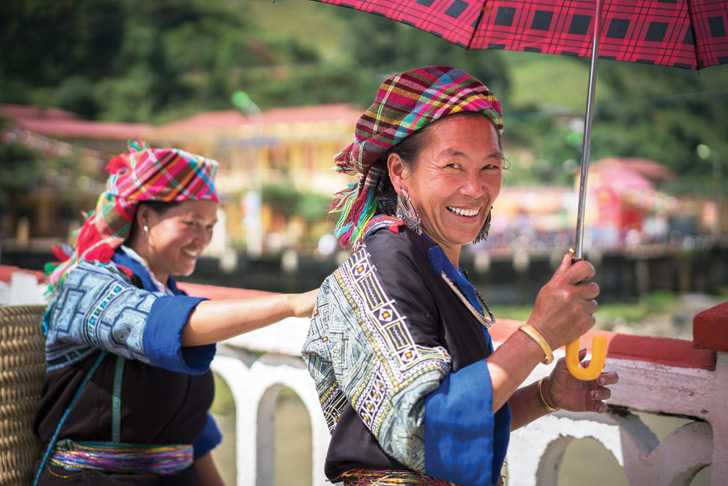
682, 33
690, 34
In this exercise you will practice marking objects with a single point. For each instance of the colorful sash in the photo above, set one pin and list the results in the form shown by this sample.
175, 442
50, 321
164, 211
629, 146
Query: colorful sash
364, 477
122, 458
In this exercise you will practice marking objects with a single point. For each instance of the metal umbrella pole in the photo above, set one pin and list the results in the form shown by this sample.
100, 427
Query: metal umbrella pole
579, 244
599, 343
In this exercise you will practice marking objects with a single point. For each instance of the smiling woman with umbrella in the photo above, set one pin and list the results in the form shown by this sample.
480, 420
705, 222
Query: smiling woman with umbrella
410, 384
687, 34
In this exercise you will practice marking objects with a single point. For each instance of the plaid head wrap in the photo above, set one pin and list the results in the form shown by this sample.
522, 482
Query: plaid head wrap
144, 174
404, 104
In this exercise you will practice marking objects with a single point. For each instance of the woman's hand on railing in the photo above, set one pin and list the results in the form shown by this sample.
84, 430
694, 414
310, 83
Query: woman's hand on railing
564, 391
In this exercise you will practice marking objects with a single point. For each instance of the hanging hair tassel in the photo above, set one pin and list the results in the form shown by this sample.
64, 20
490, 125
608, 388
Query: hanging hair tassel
137, 145
352, 204
366, 215
342, 204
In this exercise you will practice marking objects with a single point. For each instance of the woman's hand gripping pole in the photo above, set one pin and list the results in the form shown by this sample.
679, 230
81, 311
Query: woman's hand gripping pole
599, 355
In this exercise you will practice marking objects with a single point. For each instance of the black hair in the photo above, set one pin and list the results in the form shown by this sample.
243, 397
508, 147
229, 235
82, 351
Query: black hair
159, 207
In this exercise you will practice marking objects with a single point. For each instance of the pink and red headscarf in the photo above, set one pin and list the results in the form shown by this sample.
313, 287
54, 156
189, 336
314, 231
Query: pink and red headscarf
144, 174
405, 103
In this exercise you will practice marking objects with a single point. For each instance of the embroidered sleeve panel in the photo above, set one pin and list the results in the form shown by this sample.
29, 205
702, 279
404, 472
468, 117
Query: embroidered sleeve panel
360, 349
97, 308
317, 353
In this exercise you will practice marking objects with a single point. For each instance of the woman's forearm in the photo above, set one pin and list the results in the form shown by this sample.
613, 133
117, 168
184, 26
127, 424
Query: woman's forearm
215, 321
510, 365
525, 406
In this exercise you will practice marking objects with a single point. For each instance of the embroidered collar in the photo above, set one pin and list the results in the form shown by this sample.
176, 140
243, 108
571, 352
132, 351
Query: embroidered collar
382, 221
485, 322
457, 281
126, 257
460, 284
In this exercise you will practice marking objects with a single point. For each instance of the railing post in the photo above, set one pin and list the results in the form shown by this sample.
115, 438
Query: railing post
719, 466
24, 288
710, 331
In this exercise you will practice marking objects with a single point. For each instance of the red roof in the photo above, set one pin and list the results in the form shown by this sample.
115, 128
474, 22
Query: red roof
39, 112
647, 168
54, 122
58, 123
210, 119
84, 129
7, 271
233, 118
214, 292
316, 113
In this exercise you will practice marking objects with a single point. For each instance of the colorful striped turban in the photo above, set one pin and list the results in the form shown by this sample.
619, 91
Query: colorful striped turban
404, 104
144, 174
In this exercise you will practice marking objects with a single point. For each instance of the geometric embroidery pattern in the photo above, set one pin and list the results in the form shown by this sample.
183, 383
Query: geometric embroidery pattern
97, 308
360, 351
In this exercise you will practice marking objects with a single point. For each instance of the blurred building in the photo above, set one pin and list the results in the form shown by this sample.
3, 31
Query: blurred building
283, 145
74, 153
627, 206
624, 206
290, 147
275, 180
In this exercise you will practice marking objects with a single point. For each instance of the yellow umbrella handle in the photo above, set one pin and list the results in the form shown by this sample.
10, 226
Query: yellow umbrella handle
599, 355
599, 344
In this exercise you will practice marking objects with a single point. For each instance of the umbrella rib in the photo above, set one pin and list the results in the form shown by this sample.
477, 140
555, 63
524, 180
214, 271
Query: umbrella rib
477, 23
691, 24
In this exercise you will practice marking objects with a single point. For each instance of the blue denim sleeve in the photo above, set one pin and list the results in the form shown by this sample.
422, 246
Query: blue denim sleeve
209, 438
460, 427
163, 336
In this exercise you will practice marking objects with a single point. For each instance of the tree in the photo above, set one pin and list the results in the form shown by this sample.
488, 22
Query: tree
124, 60
20, 171
389, 47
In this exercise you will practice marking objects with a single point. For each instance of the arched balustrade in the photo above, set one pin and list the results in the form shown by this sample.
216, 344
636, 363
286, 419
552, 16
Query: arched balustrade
657, 375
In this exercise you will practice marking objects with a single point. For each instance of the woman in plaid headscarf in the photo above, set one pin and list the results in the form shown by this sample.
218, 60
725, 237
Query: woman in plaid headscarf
128, 383
409, 382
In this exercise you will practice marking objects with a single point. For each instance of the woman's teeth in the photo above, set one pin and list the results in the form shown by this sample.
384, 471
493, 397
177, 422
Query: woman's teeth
190, 253
464, 212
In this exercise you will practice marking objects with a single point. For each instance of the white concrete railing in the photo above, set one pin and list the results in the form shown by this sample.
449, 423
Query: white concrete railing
22, 289
536, 450
257, 365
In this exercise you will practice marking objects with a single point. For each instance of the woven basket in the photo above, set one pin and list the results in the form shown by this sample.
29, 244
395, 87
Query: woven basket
22, 367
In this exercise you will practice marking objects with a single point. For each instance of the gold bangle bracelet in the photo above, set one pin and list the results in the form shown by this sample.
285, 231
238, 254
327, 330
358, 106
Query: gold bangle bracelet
542, 399
533, 334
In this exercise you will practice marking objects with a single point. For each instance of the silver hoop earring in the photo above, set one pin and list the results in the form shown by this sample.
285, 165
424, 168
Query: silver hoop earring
406, 212
146, 231
483, 233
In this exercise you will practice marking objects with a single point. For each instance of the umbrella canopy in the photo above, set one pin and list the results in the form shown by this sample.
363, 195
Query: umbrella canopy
690, 34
